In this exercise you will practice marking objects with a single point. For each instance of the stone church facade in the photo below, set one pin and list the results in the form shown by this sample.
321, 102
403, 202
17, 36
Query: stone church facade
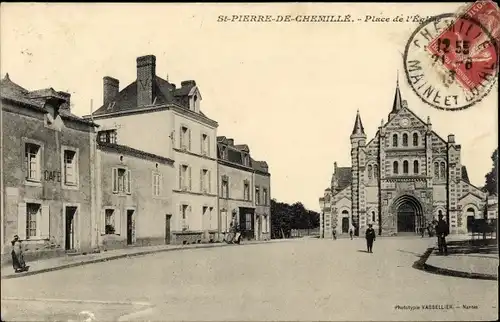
400, 180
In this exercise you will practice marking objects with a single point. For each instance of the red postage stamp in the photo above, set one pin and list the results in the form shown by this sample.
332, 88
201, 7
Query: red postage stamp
468, 48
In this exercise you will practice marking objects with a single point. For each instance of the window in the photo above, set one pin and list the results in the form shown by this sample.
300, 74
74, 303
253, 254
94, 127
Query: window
110, 227
184, 177
70, 167
436, 170
405, 167
405, 139
121, 180
248, 222
225, 188
395, 140
246, 191
108, 136
224, 152
264, 224
370, 172
246, 160
184, 217
442, 170
373, 216
257, 195
205, 145
32, 213
415, 139
265, 196
415, 167
157, 184
395, 167
185, 138
375, 171
205, 180
33, 162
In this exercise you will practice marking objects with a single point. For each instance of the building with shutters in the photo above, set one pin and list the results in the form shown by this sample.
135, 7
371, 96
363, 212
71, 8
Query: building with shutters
47, 158
135, 196
400, 180
244, 190
155, 116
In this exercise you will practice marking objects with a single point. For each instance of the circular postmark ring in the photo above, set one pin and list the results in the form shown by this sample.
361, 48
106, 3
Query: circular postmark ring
429, 84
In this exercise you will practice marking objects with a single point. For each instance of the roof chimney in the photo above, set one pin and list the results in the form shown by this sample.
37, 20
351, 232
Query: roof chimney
188, 83
451, 138
230, 142
66, 104
334, 167
146, 73
110, 89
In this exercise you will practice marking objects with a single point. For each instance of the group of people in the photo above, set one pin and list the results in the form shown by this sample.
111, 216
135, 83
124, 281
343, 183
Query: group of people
440, 227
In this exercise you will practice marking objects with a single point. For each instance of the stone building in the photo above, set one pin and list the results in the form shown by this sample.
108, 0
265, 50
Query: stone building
135, 197
154, 116
244, 190
48, 155
400, 180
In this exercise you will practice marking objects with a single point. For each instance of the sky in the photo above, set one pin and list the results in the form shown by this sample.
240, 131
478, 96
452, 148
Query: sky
288, 90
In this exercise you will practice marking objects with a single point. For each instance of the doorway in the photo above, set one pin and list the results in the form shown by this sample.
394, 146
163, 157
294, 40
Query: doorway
69, 243
247, 225
167, 229
130, 227
345, 225
406, 218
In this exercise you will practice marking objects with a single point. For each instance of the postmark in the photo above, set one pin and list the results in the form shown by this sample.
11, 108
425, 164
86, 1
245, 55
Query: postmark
451, 61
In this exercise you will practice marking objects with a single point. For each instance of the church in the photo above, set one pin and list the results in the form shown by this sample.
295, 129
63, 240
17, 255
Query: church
400, 180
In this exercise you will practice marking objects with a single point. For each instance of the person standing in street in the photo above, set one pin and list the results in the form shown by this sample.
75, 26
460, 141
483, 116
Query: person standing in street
351, 232
370, 238
442, 230
17, 256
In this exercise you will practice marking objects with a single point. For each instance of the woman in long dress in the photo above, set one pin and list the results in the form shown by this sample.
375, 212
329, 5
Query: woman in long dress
17, 255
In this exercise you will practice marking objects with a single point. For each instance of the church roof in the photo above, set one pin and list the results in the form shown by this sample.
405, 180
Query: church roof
343, 176
398, 102
358, 125
465, 176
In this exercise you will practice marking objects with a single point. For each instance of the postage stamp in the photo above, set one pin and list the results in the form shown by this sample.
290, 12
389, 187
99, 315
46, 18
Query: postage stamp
451, 60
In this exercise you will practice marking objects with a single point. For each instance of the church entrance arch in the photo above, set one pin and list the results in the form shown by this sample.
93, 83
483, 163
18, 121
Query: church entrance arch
410, 215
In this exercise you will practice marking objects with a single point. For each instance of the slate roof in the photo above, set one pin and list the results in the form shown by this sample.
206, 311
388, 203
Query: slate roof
397, 104
235, 155
134, 152
343, 176
36, 99
358, 125
465, 175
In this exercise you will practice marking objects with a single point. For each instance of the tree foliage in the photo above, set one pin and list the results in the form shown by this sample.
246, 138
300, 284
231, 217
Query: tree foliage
491, 177
285, 217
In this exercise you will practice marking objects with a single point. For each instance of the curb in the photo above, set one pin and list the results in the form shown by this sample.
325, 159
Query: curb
100, 260
420, 264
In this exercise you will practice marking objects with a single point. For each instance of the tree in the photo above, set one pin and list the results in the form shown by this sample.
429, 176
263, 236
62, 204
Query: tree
285, 217
491, 177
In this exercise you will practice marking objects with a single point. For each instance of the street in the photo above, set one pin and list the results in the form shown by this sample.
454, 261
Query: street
304, 279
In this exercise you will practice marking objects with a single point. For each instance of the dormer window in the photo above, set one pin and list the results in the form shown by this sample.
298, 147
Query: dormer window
224, 152
246, 160
195, 103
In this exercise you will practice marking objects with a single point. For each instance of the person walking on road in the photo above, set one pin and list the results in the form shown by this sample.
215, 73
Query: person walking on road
370, 238
334, 234
17, 256
351, 232
442, 230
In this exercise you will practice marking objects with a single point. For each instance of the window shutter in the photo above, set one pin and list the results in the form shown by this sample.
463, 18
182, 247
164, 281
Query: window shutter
44, 221
129, 181
189, 170
115, 180
201, 180
118, 222
160, 184
21, 220
189, 139
209, 183
153, 183
103, 221
201, 144
181, 141
39, 164
180, 176
208, 146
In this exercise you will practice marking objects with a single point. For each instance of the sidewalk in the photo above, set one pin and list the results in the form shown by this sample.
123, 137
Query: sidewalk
466, 258
58, 263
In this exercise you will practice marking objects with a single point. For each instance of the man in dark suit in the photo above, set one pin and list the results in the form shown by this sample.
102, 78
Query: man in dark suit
370, 238
442, 230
